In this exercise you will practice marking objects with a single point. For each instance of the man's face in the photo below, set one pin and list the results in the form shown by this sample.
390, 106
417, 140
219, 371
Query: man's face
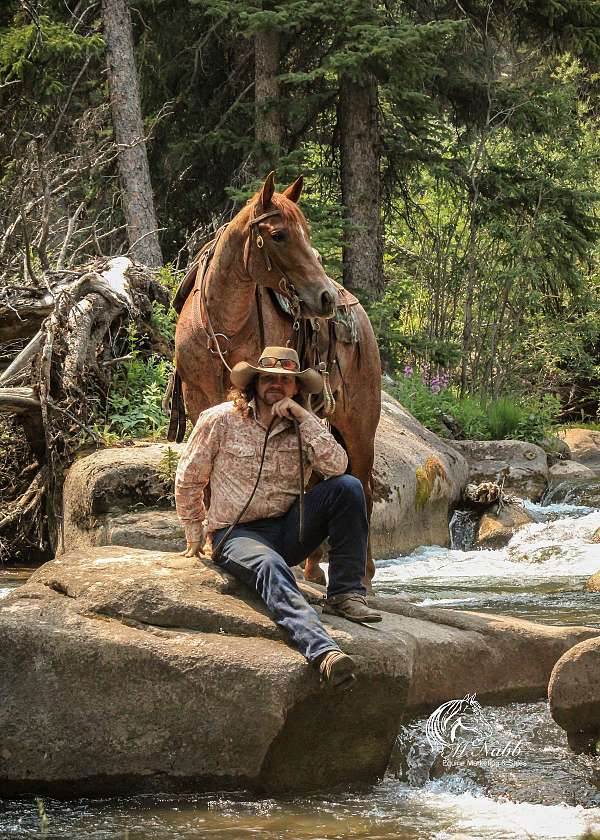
272, 387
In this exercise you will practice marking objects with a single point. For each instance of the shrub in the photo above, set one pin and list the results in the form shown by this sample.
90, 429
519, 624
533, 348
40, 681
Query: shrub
507, 417
503, 418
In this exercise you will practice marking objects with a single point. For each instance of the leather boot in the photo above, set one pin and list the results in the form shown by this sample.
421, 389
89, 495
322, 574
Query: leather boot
352, 606
337, 669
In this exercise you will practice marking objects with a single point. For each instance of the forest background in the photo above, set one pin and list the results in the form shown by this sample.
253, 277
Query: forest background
450, 155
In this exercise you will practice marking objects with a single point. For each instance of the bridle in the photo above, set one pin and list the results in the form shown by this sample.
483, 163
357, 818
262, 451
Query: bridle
287, 288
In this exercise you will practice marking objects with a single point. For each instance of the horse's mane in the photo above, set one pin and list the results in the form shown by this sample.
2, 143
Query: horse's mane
290, 211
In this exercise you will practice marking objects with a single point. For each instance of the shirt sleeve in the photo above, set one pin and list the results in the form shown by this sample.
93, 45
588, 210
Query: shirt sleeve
325, 453
193, 473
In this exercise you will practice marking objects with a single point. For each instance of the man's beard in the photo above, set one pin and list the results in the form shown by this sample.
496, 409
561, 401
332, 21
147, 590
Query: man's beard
272, 396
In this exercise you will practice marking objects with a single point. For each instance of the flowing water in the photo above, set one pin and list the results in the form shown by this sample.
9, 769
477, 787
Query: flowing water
532, 787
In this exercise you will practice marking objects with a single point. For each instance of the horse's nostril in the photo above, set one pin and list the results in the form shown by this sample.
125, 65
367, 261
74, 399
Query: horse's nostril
326, 302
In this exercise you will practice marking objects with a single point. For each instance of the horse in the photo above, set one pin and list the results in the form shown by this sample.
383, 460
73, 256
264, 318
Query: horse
229, 316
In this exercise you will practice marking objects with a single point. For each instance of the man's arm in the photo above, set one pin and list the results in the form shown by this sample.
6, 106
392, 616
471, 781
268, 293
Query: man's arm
325, 453
193, 473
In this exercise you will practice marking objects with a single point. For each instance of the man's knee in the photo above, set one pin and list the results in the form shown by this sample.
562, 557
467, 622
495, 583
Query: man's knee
349, 486
272, 564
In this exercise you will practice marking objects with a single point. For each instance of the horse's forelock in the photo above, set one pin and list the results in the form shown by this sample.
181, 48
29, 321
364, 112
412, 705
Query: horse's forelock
290, 212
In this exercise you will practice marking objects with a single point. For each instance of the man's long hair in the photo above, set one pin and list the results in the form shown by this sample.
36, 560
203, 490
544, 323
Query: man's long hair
241, 397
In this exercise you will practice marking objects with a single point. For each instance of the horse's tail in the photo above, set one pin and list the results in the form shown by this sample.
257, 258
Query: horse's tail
177, 415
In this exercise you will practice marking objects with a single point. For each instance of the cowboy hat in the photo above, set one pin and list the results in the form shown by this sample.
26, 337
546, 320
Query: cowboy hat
272, 360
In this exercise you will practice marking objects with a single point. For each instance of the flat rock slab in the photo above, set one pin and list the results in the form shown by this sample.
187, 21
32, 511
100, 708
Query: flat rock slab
129, 670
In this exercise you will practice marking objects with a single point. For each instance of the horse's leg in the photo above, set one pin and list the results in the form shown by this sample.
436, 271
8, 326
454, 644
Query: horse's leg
361, 460
357, 417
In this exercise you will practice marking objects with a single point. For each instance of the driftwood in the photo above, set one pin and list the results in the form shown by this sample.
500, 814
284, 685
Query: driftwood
60, 339
483, 495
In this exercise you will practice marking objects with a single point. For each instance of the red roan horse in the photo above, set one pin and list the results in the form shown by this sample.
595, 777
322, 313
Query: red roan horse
275, 253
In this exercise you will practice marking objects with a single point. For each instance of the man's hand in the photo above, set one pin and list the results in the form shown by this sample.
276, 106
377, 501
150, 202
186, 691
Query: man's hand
194, 549
290, 409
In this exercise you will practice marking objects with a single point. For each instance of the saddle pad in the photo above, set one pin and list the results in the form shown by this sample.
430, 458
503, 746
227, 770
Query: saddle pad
345, 298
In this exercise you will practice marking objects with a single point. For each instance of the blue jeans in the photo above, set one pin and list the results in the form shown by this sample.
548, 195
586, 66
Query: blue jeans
261, 552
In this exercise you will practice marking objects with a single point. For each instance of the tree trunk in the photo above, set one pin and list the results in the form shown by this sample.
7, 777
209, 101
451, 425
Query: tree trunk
266, 92
360, 149
138, 201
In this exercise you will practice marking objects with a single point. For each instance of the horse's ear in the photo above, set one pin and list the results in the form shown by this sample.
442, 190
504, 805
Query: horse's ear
267, 191
294, 190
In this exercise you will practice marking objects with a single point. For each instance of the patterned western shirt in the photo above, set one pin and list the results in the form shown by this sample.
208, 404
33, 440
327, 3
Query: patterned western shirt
225, 449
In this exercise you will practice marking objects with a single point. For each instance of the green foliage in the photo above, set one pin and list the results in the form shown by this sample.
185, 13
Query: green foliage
166, 470
507, 418
134, 401
503, 418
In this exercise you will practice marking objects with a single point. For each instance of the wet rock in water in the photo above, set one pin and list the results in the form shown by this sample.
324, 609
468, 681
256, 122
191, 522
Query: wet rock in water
463, 529
593, 584
574, 694
522, 466
584, 445
569, 470
126, 670
578, 491
498, 525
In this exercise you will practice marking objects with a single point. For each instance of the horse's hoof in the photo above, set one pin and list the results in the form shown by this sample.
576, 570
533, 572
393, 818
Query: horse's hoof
315, 574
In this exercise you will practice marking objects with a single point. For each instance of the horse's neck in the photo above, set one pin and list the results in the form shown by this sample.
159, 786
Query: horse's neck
230, 293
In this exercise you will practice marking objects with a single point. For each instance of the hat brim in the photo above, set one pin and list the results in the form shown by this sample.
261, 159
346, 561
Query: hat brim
310, 381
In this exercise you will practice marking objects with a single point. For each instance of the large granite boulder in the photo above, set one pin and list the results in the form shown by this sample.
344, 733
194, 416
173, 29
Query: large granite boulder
122, 496
575, 491
117, 496
127, 670
522, 466
574, 695
418, 480
584, 445
569, 471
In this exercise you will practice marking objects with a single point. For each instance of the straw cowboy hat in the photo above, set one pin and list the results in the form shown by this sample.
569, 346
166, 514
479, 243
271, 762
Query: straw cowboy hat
281, 360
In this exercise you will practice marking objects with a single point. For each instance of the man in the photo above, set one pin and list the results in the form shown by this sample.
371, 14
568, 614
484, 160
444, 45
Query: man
225, 448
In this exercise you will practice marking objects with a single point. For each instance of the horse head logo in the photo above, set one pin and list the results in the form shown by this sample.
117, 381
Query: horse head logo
456, 719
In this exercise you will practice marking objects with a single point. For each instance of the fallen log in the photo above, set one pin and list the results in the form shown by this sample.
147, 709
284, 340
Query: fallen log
75, 327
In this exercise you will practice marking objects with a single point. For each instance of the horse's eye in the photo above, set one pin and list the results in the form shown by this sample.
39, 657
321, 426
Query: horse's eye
278, 236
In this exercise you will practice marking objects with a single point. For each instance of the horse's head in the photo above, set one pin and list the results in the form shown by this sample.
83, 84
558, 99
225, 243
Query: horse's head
277, 246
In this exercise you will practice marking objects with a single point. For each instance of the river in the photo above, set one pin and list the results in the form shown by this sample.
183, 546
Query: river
537, 790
